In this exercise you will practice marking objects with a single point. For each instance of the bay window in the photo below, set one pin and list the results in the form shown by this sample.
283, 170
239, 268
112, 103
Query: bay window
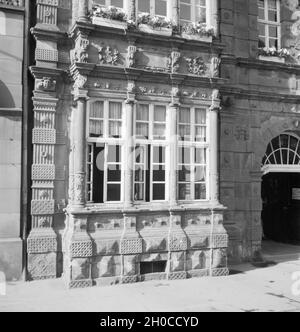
153, 7
106, 3
192, 154
150, 153
104, 160
269, 24
193, 11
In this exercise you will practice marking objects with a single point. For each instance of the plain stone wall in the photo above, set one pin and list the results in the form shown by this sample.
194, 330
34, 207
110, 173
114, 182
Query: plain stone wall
252, 114
11, 66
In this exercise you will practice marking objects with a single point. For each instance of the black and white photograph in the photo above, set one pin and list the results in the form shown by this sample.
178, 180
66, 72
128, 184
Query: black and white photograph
149, 159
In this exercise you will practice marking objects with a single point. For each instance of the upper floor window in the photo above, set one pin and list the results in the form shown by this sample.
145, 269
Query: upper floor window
192, 11
153, 7
106, 3
269, 23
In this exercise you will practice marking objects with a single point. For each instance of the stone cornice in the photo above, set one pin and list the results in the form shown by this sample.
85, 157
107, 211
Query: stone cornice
259, 95
44, 32
175, 41
12, 8
134, 74
261, 64
40, 72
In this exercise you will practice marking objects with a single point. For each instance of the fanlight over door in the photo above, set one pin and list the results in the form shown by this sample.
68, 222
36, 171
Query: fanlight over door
282, 155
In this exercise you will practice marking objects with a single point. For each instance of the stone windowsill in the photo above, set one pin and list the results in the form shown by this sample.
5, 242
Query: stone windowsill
109, 23
272, 59
207, 39
12, 7
156, 31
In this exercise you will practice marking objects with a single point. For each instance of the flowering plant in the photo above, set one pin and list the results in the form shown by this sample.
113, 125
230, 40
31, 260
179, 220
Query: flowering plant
154, 21
272, 51
198, 28
111, 13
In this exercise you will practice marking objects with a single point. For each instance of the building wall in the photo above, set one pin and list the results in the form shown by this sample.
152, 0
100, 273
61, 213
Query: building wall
260, 101
11, 107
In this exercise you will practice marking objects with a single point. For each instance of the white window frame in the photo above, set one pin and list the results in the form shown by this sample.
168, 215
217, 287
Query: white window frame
193, 12
108, 3
192, 144
268, 23
107, 141
151, 142
152, 8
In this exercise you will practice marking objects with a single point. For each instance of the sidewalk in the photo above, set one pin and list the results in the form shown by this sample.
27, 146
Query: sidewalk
248, 289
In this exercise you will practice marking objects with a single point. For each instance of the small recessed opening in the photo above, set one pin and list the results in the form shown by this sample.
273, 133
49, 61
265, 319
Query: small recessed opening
153, 267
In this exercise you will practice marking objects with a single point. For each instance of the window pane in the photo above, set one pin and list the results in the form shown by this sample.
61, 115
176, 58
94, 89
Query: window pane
273, 32
272, 4
185, 12
200, 174
273, 16
140, 154
262, 42
142, 113
139, 192
184, 155
161, 7
159, 131
114, 154
139, 174
96, 120
144, 6
184, 175
142, 130
158, 155
200, 191
261, 13
200, 116
185, 133
160, 114
114, 173
115, 111
200, 156
159, 173
117, 3
200, 134
113, 192
96, 128
262, 29
115, 129
200, 14
158, 192
184, 191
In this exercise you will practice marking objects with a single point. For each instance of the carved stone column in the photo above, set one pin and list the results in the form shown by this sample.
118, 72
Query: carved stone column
173, 110
212, 15
173, 11
214, 148
47, 14
129, 153
80, 150
130, 7
83, 10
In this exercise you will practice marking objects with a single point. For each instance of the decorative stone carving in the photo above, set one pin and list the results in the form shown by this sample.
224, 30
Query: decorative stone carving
47, 12
131, 56
46, 84
80, 81
215, 65
42, 266
109, 56
81, 49
173, 62
196, 66
79, 188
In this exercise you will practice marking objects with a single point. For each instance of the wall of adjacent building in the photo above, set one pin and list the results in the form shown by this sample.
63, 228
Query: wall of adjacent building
11, 104
260, 102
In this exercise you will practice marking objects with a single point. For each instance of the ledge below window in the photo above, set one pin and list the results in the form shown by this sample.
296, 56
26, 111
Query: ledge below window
207, 39
271, 59
109, 23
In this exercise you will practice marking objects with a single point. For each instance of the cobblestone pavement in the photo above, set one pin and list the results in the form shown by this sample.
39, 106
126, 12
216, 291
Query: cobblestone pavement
248, 289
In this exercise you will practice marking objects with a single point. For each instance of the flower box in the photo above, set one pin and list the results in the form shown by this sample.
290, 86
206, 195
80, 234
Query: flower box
156, 31
207, 39
105, 22
272, 58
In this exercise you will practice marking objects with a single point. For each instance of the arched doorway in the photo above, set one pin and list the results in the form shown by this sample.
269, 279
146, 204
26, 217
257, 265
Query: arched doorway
281, 189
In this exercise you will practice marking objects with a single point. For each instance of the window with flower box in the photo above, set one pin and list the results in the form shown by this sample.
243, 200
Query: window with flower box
106, 3
153, 7
150, 153
192, 11
269, 24
104, 159
193, 154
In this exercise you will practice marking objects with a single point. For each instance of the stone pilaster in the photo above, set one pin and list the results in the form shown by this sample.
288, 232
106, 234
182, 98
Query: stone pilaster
213, 15
130, 6
83, 10
214, 148
128, 153
173, 110
173, 11
47, 14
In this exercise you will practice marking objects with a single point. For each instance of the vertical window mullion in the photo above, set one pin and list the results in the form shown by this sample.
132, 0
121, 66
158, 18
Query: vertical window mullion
105, 172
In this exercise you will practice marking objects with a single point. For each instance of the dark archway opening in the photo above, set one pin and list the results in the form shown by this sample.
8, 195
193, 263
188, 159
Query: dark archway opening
281, 207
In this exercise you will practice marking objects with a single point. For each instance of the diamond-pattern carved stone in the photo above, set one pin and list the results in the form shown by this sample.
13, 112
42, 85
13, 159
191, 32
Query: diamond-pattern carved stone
42, 266
81, 249
131, 246
41, 245
43, 207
